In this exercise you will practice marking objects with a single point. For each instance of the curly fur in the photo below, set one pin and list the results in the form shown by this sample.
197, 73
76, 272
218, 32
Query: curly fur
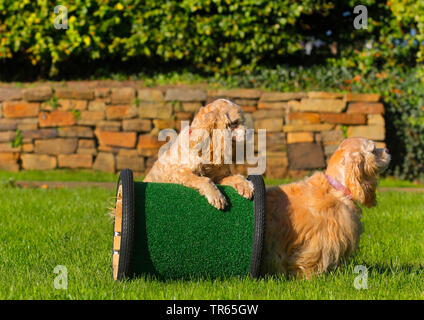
312, 226
220, 114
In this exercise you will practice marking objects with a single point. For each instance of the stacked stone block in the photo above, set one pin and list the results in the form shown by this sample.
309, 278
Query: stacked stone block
111, 126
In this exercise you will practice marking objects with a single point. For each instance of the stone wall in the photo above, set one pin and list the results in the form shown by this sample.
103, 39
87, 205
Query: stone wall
110, 126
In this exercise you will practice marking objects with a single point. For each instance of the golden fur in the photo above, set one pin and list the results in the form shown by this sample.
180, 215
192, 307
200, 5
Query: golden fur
312, 226
220, 114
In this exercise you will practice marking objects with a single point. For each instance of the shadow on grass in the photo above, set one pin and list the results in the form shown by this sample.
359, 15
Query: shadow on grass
379, 268
389, 268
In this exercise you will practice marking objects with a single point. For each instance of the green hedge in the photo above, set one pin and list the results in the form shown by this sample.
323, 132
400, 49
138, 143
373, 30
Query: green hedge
210, 35
219, 36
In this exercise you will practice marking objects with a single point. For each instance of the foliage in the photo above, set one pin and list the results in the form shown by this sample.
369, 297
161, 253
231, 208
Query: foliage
213, 36
394, 38
53, 102
210, 34
76, 113
18, 140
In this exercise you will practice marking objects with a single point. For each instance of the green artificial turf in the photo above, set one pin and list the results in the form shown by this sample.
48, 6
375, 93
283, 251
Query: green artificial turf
178, 234
44, 228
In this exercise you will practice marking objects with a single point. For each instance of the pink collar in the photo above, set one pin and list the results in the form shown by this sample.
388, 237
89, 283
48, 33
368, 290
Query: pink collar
338, 186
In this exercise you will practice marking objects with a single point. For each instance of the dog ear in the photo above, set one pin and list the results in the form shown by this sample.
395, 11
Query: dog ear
370, 165
352, 176
370, 146
361, 185
227, 119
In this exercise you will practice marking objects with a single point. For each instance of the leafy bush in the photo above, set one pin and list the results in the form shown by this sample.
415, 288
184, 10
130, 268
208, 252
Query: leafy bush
208, 34
395, 37
215, 36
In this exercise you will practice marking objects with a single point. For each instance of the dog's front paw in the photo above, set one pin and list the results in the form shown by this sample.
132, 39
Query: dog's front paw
217, 200
244, 188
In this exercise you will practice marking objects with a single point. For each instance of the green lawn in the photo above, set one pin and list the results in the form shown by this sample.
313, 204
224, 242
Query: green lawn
59, 175
43, 228
98, 176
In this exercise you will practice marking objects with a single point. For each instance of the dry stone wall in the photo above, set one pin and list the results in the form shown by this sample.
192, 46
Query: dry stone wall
110, 126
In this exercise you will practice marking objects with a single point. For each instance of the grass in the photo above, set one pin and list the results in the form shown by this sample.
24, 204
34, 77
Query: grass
59, 175
387, 182
43, 228
99, 176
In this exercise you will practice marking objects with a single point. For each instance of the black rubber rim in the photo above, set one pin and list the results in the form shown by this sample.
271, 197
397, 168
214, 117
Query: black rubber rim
126, 179
259, 203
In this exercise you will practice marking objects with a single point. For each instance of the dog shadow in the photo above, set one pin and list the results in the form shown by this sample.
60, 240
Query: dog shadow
389, 268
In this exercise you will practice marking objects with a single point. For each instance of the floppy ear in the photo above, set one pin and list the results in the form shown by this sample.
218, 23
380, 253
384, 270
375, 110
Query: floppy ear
227, 120
220, 117
202, 130
370, 165
370, 146
358, 182
199, 118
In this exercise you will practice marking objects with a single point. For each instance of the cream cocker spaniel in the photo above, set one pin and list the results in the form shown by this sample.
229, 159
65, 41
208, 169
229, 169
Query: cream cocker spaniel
194, 172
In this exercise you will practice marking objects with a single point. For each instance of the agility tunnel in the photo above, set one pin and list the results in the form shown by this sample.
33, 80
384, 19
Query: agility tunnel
170, 231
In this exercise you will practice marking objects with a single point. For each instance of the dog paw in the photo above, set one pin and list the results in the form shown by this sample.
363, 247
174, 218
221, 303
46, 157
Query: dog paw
217, 200
245, 189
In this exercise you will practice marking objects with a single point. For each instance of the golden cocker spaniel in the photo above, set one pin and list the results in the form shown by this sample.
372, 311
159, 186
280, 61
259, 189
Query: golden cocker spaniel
314, 224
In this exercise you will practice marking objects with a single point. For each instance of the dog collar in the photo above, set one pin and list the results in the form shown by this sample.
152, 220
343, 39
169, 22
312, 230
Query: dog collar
338, 186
